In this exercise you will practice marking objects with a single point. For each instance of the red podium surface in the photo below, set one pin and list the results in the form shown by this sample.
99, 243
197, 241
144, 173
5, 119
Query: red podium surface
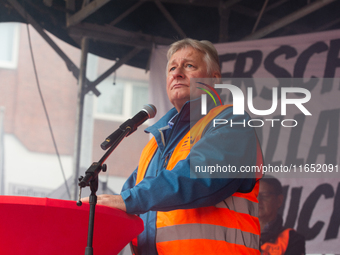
43, 226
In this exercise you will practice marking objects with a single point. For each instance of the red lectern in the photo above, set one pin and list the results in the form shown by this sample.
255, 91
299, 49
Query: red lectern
43, 226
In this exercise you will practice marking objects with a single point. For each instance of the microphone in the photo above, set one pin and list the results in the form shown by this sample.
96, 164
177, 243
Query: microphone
148, 112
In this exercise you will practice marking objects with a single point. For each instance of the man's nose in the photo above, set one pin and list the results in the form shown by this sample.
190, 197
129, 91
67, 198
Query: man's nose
178, 73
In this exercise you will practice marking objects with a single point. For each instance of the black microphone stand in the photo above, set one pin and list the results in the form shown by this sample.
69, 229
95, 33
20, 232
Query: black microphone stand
91, 179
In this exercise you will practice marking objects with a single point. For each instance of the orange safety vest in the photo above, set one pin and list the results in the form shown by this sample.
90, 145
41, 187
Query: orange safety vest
230, 226
280, 245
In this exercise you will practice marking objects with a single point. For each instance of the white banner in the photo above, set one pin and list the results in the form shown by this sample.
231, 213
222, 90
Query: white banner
312, 205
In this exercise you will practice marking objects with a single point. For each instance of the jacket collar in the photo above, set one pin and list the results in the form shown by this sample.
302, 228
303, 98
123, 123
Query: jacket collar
190, 112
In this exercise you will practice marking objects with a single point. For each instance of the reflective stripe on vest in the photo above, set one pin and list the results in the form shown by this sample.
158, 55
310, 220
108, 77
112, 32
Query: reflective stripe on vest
280, 245
240, 205
230, 226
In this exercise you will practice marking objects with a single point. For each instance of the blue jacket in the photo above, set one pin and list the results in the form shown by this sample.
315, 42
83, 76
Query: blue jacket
163, 190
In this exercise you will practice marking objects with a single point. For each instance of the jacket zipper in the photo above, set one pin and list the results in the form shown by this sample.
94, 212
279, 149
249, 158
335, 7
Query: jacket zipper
166, 161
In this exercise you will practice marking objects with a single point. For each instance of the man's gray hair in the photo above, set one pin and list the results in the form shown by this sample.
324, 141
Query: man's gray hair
206, 47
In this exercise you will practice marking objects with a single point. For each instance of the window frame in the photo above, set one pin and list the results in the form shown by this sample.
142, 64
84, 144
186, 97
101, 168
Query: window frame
13, 63
127, 99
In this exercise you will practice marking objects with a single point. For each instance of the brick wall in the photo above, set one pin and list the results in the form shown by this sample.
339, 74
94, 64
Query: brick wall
25, 117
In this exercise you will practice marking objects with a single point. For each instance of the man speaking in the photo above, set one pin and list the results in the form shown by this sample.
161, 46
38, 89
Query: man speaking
182, 214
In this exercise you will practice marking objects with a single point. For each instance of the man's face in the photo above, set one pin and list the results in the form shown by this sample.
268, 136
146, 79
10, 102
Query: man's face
186, 63
269, 202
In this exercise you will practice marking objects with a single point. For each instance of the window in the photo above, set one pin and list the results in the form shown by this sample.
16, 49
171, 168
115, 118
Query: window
122, 100
9, 42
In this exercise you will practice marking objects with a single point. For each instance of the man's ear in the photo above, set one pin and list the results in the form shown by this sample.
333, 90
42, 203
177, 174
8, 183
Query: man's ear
216, 75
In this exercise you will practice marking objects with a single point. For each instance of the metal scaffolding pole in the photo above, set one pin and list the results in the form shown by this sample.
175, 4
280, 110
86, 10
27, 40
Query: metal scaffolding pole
288, 19
80, 112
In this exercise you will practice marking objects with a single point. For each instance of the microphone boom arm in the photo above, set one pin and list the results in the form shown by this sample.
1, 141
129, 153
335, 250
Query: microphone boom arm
91, 174
127, 125
96, 167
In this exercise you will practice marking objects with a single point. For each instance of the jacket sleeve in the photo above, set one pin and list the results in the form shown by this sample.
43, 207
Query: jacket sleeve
131, 181
175, 189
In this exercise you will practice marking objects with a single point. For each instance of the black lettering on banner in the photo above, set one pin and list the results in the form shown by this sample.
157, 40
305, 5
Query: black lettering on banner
328, 121
294, 140
334, 223
241, 72
240, 64
225, 58
333, 62
301, 65
293, 207
307, 211
278, 71
273, 138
